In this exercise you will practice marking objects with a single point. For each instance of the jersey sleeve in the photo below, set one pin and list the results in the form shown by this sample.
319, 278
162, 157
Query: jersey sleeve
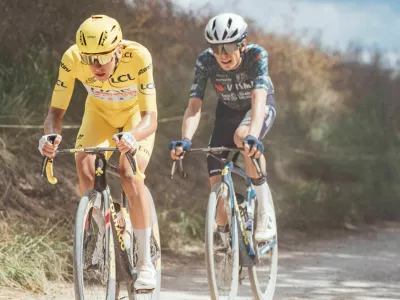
147, 90
260, 67
201, 75
64, 87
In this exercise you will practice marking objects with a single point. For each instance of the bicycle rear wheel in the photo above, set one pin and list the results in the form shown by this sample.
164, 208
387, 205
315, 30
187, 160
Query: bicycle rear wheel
263, 274
94, 259
222, 251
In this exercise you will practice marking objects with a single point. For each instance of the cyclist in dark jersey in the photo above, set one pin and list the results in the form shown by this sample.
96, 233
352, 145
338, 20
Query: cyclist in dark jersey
238, 71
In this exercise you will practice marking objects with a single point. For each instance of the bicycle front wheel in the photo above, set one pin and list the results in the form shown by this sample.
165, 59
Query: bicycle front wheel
94, 259
222, 250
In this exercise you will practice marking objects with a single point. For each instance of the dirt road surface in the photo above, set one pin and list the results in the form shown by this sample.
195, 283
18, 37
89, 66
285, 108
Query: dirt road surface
339, 266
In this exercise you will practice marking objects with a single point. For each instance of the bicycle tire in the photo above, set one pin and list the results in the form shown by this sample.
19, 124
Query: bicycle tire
83, 218
268, 292
157, 247
209, 247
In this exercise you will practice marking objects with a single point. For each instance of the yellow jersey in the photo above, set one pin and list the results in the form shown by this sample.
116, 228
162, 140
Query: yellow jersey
128, 91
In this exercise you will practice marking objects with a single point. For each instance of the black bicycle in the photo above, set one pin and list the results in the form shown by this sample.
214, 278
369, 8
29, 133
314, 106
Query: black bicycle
227, 254
105, 248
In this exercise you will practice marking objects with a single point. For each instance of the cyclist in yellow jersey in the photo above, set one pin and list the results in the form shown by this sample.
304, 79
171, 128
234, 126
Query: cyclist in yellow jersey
118, 77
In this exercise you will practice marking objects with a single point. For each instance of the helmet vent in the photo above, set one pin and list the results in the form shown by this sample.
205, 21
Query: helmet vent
100, 39
83, 40
209, 36
215, 35
225, 34
214, 23
113, 27
234, 33
115, 39
229, 23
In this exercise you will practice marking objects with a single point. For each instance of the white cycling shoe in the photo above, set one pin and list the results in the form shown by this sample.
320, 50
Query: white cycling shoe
146, 278
265, 230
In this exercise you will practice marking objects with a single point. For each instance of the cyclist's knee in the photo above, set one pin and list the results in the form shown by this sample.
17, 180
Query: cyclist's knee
85, 166
240, 134
85, 169
125, 169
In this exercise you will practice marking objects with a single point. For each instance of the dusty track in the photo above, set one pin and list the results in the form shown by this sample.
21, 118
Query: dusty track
346, 266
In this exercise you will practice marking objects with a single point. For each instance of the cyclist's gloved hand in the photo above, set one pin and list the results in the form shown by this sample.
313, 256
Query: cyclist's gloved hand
48, 144
127, 142
177, 148
253, 146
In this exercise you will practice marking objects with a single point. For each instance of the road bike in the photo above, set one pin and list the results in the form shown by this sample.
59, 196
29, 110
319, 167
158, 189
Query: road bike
228, 253
105, 249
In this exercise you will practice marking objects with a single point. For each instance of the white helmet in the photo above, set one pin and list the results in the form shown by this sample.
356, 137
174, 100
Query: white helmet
225, 28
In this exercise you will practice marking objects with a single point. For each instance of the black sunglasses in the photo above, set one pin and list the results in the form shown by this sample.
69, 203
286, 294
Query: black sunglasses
228, 48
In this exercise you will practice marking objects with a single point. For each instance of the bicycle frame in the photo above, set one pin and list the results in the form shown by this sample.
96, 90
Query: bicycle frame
228, 168
226, 178
110, 212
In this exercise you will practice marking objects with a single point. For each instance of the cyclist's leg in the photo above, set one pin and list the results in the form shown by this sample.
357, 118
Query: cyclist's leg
265, 228
87, 137
140, 207
222, 135
90, 137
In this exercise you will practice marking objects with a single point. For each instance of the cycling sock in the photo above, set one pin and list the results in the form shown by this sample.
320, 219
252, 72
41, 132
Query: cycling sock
263, 194
143, 240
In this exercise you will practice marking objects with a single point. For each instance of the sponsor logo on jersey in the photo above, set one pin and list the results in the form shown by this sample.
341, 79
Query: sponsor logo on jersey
122, 78
119, 95
147, 89
219, 87
240, 86
64, 67
61, 83
199, 64
127, 55
144, 70
241, 76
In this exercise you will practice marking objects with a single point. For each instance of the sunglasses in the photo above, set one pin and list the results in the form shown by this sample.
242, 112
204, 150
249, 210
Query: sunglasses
102, 59
225, 48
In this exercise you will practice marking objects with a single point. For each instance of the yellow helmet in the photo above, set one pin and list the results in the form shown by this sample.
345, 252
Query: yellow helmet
98, 34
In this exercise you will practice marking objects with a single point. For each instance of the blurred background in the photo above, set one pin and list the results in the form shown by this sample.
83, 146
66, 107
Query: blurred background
332, 154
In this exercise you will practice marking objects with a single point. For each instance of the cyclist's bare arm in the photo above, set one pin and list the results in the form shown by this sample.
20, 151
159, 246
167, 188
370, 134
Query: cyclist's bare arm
52, 125
53, 121
147, 126
191, 119
258, 103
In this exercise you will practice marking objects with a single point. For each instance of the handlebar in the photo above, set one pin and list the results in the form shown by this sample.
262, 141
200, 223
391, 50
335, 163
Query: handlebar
177, 164
47, 163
